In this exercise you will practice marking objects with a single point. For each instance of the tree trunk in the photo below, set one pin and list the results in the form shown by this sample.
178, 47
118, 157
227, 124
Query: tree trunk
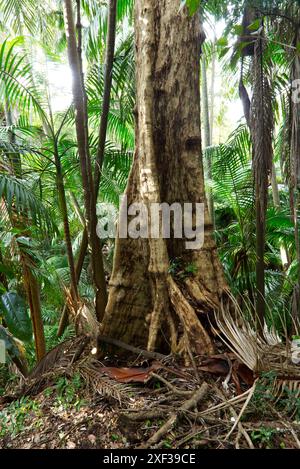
109, 60
212, 90
207, 135
33, 294
294, 182
262, 125
31, 284
148, 306
79, 97
64, 214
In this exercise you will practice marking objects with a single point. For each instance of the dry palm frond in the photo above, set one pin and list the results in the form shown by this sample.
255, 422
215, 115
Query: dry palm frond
61, 356
266, 356
260, 354
83, 315
99, 384
237, 400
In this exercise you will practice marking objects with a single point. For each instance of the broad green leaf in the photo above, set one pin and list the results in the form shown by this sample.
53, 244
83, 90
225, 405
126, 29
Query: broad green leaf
255, 25
16, 317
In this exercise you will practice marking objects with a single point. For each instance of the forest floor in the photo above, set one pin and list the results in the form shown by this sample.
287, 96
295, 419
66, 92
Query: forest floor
143, 403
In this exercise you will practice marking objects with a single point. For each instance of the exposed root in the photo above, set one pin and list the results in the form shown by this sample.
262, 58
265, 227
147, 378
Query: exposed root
198, 337
187, 405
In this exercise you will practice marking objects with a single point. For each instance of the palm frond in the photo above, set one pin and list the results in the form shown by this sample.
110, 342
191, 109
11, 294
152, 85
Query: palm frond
20, 199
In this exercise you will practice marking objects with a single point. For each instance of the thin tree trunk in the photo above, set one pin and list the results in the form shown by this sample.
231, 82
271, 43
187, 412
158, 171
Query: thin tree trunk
79, 98
147, 306
3, 278
31, 284
64, 214
77, 209
109, 61
78, 269
207, 135
261, 123
110, 48
295, 177
33, 294
212, 91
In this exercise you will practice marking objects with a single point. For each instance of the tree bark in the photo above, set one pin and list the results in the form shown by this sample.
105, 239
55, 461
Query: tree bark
147, 306
31, 284
109, 60
33, 294
212, 90
294, 183
81, 120
64, 214
207, 135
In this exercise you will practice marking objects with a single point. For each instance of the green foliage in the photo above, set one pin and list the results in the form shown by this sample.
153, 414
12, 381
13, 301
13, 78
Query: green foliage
16, 80
192, 5
67, 391
181, 271
15, 417
16, 316
19, 198
264, 436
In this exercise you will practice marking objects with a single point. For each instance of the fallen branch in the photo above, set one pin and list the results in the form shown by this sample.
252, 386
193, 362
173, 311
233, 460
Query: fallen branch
241, 430
179, 392
131, 348
142, 415
237, 421
187, 405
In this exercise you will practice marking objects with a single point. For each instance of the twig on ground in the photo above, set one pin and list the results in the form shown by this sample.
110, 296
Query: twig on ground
237, 421
179, 392
130, 348
189, 404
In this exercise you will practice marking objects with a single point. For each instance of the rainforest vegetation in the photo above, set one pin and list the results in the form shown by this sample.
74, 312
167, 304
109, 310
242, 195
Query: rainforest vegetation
139, 341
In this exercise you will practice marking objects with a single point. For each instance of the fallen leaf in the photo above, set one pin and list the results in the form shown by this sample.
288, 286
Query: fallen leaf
129, 375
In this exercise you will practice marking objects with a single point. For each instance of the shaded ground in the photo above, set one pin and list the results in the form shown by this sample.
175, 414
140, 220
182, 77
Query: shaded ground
150, 404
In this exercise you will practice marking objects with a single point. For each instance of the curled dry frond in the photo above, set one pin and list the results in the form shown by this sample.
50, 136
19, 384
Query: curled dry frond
260, 354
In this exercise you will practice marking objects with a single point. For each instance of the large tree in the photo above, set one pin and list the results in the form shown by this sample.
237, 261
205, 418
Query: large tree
151, 303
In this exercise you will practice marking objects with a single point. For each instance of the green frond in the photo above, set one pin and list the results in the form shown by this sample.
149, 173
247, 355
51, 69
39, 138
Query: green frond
16, 81
19, 199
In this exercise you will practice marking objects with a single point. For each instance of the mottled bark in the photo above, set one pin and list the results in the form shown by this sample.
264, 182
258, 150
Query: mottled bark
147, 306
